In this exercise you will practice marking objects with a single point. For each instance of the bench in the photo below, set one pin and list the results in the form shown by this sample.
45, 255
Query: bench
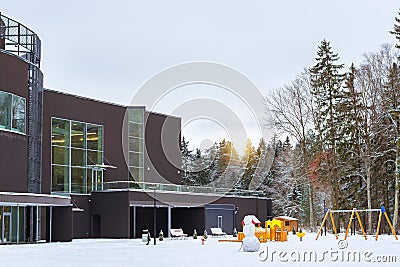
217, 232
178, 233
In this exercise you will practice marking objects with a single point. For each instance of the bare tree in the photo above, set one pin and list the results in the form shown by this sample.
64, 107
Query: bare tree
290, 106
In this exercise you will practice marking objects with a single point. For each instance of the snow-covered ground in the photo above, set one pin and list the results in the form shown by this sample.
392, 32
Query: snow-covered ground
114, 252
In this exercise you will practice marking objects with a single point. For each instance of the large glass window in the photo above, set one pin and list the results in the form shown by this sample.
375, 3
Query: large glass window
12, 112
13, 224
94, 138
77, 135
18, 114
76, 148
136, 143
60, 132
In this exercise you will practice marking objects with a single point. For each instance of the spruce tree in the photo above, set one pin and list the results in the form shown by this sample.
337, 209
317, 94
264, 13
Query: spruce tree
250, 163
396, 31
187, 158
326, 83
349, 145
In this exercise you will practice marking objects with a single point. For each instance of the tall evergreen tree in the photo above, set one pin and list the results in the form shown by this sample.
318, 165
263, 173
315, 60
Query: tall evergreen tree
187, 157
396, 31
229, 170
326, 83
250, 162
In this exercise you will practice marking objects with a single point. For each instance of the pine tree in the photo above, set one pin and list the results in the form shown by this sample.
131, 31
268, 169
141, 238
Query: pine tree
349, 145
187, 158
201, 166
262, 162
250, 162
326, 83
396, 31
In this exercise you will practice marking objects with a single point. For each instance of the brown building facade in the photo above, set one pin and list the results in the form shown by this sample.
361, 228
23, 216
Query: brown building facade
73, 167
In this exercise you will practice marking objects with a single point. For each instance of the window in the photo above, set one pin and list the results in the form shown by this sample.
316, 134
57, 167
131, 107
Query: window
287, 223
12, 112
136, 144
76, 148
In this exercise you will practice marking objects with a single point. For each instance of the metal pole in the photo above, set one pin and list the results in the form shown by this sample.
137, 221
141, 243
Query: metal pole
169, 220
324, 213
395, 116
134, 221
51, 223
17, 224
155, 216
37, 223
257, 205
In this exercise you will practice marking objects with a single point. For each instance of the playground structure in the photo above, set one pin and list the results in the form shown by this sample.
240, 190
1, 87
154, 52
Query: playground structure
274, 231
355, 212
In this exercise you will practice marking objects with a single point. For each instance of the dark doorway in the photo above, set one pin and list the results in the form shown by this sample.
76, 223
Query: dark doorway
96, 226
145, 220
188, 219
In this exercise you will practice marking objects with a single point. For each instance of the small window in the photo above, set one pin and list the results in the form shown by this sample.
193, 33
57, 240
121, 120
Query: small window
12, 112
287, 223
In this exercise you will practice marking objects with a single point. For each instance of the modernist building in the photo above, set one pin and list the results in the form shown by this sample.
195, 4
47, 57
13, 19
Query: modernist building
73, 167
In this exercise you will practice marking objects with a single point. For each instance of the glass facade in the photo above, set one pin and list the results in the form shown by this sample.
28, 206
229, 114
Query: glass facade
136, 143
13, 224
12, 112
76, 148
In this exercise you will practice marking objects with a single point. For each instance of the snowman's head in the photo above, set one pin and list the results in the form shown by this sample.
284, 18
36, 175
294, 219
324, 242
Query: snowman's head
249, 230
247, 220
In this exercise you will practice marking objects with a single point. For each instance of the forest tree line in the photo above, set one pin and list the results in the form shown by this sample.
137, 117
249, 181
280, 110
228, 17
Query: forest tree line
337, 128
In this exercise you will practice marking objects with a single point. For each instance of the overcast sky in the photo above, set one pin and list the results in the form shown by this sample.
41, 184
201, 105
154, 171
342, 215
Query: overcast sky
107, 49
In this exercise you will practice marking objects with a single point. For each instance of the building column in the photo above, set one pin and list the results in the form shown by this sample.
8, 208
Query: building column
17, 224
51, 223
134, 221
37, 223
169, 220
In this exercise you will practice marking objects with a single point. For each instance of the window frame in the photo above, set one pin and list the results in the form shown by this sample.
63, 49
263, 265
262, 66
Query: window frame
9, 114
69, 147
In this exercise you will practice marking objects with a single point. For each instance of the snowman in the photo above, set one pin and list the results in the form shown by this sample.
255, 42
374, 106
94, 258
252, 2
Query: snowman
250, 241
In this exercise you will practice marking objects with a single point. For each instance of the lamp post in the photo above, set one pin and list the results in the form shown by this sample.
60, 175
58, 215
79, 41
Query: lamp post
395, 116
324, 215
155, 215
256, 205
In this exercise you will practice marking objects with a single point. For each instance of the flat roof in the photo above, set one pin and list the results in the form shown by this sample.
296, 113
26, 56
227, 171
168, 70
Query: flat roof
286, 218
108, 103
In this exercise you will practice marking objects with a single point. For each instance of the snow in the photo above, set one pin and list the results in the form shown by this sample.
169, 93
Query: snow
190, 252
287, 218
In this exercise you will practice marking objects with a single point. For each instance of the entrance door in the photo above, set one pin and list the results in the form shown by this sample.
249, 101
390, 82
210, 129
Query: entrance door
96, 226
6, 235
99, 180
96, 179
220, 222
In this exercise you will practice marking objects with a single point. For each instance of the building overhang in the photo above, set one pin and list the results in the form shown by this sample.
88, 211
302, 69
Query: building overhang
29, 199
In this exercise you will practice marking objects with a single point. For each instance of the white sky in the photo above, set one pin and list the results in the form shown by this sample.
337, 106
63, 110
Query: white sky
107, 49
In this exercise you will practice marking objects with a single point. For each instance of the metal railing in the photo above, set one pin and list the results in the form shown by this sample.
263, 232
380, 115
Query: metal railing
19, 40
118, 185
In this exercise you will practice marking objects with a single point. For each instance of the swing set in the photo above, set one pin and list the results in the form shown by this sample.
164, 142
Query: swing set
354, 212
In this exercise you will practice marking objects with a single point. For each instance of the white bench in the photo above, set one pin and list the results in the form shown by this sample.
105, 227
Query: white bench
178, 233
217, 232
